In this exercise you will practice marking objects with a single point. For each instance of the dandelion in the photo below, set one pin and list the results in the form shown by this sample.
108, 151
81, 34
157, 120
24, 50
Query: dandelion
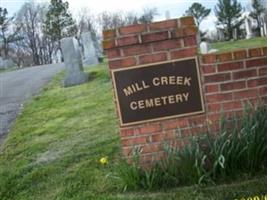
104, 160
209, 122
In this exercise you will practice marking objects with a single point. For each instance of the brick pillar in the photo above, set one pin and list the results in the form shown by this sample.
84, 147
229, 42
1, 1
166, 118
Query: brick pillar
140, 44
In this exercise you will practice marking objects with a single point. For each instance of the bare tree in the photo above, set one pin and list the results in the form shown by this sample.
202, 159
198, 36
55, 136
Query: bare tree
21, 54
30, 18
109, 20
131, 18
86, 21
8, 34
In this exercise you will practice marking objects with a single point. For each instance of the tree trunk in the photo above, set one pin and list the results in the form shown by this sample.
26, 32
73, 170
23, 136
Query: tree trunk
60, 49
258, 29
5, 50
229, 31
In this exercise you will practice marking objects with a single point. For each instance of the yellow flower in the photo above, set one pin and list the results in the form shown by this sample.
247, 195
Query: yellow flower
104, 161
209, 122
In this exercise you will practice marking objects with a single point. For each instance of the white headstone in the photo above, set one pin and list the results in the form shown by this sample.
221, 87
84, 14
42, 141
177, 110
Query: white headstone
90, 54
248, 29
265, 28
220, 34
235, 34
206, 48
263, 21
262, 31
213, 50
73, 62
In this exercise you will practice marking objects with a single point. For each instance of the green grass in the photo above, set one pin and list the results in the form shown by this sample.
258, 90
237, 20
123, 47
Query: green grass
54, 148
240, 44
8, 69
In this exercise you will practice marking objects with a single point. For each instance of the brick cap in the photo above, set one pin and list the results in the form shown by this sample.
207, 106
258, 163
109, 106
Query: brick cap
234, 55
186, 24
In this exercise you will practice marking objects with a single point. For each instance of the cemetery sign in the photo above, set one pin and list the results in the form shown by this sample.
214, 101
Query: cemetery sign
158, 91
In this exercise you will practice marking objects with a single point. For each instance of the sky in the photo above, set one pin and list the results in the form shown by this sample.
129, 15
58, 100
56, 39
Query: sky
176, 8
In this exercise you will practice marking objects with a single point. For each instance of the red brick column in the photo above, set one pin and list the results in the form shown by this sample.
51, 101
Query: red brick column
228, 80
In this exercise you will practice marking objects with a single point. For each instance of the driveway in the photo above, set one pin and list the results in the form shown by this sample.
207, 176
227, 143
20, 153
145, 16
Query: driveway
16, 87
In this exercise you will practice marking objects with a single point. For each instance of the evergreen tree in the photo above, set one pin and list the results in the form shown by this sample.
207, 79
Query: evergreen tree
198, 11
148, 15
257, 10
7, 36
228, 13
59, 22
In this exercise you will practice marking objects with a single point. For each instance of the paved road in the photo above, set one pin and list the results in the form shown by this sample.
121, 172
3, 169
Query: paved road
18, 86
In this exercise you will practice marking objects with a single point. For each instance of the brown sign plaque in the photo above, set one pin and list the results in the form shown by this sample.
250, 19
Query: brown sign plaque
158, 91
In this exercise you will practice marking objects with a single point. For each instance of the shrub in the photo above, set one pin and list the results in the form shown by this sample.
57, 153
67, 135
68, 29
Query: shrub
209, 158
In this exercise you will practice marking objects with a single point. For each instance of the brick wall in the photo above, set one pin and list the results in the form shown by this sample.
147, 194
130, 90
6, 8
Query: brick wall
228, 80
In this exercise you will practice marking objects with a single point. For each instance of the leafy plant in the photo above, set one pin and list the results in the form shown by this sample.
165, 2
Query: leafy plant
238, 150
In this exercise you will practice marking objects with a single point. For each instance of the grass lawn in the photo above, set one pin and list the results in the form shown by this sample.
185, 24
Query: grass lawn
240, 44
54, 147
8, 69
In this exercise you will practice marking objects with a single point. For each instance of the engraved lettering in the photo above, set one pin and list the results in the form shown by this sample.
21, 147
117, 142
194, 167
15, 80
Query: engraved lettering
149, 103
141, 104
156, 81
128, 91
179, 80
145, 86
157, 101
171, 99
187, 81
133, 105
185, 95
179, 98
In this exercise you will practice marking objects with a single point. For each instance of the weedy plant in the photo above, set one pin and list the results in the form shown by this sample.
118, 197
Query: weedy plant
209, 158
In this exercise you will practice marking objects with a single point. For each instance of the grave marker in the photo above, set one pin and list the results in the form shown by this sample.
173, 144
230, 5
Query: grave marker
73, 62
90, 55
248, 29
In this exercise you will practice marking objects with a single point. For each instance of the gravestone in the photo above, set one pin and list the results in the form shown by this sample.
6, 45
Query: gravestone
263, 20
235, 34
90, 55
265, 28
220, 33
248, 29
206, 48
73, 62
